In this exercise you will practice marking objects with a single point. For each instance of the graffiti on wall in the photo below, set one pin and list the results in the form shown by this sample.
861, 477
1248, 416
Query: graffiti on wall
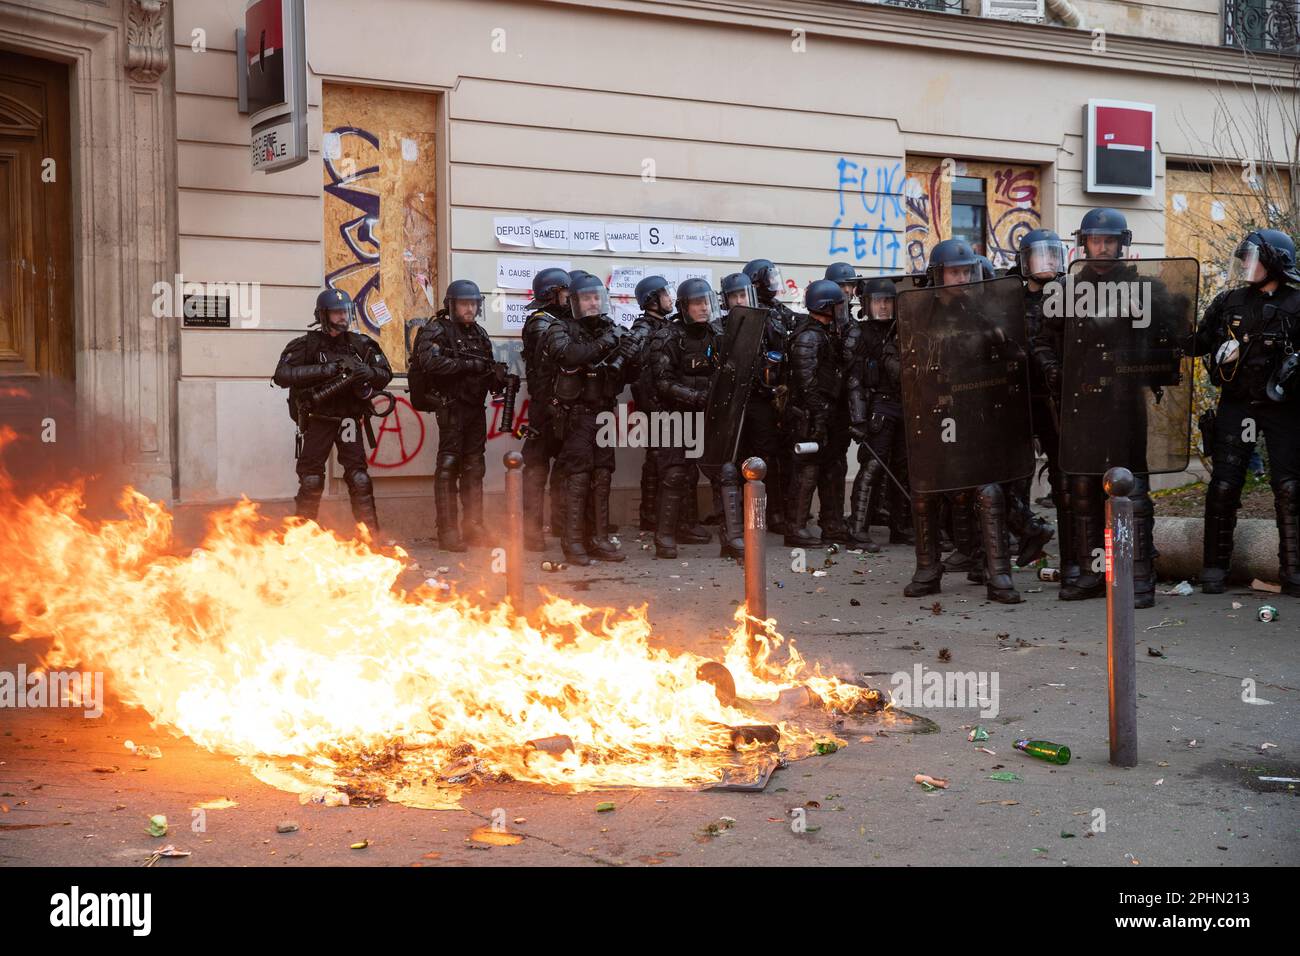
352, 167
868, 227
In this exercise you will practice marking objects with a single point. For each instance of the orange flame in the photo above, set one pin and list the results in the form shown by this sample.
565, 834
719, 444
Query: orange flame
293, 643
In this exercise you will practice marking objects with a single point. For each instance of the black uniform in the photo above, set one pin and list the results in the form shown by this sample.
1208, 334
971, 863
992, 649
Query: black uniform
457, 358
683, 357
816, 379
589, 358
875, 413
541, 445
1267, 326
760, 435
325, 376
643, 394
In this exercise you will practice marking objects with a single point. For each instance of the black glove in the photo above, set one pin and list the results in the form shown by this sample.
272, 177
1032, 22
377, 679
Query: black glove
499, 376
353, 364
858, 432
475, 366
1052, 375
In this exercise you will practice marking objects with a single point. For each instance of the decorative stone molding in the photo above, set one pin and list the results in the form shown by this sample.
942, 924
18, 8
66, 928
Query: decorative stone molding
146, 45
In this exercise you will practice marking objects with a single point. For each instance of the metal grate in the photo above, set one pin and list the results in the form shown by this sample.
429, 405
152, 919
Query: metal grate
1268, 26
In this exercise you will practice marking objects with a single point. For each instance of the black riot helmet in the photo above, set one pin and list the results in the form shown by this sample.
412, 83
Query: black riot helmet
588, 297
463, 290
689, 293
576, 274
550, 287
738, 289
1271, 249
1103, 221
328, 303
647, 294
986, 267
878, 297
1041, 256
766, 276
952, 254
843, 274
824, 297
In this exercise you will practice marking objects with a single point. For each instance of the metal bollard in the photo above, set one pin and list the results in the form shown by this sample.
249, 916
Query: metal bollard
755, 470
1121, 649
515, 530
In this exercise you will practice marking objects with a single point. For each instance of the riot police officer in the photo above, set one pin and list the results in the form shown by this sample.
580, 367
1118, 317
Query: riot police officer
960, 337
760, 434
550, 302
875, 411
831, 476
736, 290
1252, 332
816, 377
331, 373
655, 300
683, 357
588, 352
454, 354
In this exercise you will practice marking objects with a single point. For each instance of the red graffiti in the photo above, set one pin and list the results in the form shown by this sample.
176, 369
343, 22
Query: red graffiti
521, 419
1015, 188
392, 425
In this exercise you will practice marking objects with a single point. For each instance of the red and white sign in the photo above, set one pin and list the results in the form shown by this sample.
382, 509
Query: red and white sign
1120, 138
274, 74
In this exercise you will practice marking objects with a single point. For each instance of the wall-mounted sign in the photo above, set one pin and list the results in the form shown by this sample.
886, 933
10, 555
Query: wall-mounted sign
1120, 140
272, 63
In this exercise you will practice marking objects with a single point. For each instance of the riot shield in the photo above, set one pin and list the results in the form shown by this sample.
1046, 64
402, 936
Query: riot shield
965, 380
742, 347
1126, 381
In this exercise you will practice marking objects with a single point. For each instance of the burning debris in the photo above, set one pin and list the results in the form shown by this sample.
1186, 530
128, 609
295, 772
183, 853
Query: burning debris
296, 652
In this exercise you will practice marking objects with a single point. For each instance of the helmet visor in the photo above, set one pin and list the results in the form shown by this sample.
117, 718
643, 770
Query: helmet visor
468, 309
699, 308
339, 319
774, 283
589, 303
880, 306
958, 273
1100, 245
1245, 267
744, 296
1042, 260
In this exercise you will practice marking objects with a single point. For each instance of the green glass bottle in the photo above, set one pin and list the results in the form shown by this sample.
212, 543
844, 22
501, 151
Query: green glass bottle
1045, 750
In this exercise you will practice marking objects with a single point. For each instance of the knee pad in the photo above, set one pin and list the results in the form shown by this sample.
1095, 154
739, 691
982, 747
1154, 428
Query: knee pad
1223, 495
473, 469
359, 482
675, 479
990, 496
1286, 496
729, 474
311, 486
449, 464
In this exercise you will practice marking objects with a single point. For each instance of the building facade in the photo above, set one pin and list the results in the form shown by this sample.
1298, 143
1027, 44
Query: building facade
483, 138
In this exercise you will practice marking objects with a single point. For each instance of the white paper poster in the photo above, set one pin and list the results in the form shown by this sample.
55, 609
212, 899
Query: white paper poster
551, 234
723, 242
695, 272
586, 236
625, 313
692, 240
623, 279
623, 236
514, 311
518, 273
657, 236
513, 230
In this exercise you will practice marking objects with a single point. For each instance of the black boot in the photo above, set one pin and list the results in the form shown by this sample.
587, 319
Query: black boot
1087, 519
690, 531
964, 540
1144, 546
830, 497
1221, 504
361, 495
865, 484
307, 501
576, 489
471, 503
925, 523
444, 502
992, 507
602, 548
799, 492
1286, 503
732, 499
1031, 531
670, 511
534, 501
647, 511
1069, 560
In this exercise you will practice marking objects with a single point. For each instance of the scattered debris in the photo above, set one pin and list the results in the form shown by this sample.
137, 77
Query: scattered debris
604, 807
554, 566
977, 734
157, 825
168, 851
930, 783
1182, 589
105, 769
936, 608
359, 846
945, 655
824, 747
1266, 746
1006, 775
142, 750
1155, 652
1167, 622
1271, 588
324, 795
493, 837
286, 826
1237, 605
1267, 613
854, 602
991, 753
719, 826
221, 803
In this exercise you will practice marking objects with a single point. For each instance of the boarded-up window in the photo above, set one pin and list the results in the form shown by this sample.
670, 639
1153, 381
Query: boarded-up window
380, 207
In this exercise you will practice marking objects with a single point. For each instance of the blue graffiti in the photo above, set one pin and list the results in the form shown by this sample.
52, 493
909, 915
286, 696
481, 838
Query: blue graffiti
879, 187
